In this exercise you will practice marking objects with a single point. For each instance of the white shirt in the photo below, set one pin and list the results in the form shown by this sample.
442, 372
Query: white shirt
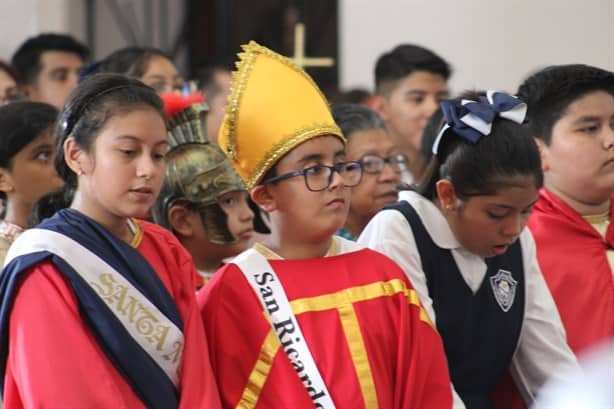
593, 387
542, 347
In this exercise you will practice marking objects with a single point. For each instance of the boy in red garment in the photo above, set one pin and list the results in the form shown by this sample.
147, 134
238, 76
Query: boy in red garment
571, 113
308, 319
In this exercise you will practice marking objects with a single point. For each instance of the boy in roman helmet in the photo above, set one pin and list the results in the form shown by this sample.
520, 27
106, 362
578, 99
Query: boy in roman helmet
203, 200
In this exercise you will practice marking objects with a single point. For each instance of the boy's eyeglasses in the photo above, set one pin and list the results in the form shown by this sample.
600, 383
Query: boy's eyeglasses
319, 177
374, 164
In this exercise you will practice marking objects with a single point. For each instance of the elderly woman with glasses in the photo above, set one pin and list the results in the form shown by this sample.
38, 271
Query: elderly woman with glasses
369, 144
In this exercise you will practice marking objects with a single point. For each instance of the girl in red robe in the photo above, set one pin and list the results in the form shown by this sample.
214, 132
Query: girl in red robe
98, 308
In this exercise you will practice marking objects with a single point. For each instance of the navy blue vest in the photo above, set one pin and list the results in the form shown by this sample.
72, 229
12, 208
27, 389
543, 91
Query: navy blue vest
480, 331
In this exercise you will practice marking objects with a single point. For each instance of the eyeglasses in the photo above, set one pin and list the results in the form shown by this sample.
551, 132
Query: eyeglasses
374, 164
184, 88
319, 177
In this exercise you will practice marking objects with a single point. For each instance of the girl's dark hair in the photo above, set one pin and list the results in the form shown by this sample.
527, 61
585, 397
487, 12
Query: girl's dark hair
97, 99
47, 205
132, 61
430, 132
20, 124
486, 166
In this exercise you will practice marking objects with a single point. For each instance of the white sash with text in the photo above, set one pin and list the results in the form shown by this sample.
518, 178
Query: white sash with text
261, 276
149, 327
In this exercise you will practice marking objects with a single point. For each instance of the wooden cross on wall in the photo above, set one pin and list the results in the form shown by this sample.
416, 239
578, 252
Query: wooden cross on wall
299, 57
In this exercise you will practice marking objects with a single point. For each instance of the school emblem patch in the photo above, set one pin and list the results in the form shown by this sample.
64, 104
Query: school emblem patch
504, 288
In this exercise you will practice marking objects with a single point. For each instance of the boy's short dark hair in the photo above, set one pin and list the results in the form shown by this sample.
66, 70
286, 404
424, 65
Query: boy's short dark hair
26, 59
551, 90
402, 61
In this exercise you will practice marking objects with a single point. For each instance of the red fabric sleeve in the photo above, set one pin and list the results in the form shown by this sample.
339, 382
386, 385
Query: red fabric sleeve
198, 386
49, 341
176, 269
54, 360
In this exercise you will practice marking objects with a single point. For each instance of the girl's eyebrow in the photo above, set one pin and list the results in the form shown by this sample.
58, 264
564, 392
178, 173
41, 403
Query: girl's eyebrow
137, 139
43, 145
586, 119
155, 77
504, 206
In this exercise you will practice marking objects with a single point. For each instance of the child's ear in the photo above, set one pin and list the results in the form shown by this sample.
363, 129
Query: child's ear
263, 197
6, 182
379, 104
73, 155
180, 220
543, 154
446, 194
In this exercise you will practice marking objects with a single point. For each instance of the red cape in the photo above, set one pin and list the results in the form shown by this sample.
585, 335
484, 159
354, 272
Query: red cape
572, 257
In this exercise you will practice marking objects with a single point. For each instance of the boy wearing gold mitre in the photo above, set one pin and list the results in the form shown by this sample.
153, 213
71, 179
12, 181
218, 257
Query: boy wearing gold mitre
306, 318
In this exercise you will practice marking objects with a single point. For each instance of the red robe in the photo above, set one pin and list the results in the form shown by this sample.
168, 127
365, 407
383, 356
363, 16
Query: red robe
55, 361
403, 362
572, 258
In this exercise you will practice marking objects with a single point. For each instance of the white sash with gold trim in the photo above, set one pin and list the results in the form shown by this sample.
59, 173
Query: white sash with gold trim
151, 329
261, 276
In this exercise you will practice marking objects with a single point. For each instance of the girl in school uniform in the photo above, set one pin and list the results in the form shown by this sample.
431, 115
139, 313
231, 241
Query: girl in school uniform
98, 308
460, 237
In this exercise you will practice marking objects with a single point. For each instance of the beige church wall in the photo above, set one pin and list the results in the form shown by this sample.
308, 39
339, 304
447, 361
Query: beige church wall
146, 26
489, 43
21, 19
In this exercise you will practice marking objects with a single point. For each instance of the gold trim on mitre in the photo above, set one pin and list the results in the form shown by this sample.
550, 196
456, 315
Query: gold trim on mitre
273, 106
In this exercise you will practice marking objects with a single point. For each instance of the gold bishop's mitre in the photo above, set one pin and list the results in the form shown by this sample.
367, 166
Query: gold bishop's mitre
273, 106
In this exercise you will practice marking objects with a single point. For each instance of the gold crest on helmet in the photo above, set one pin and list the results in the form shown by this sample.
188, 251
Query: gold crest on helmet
273, 106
